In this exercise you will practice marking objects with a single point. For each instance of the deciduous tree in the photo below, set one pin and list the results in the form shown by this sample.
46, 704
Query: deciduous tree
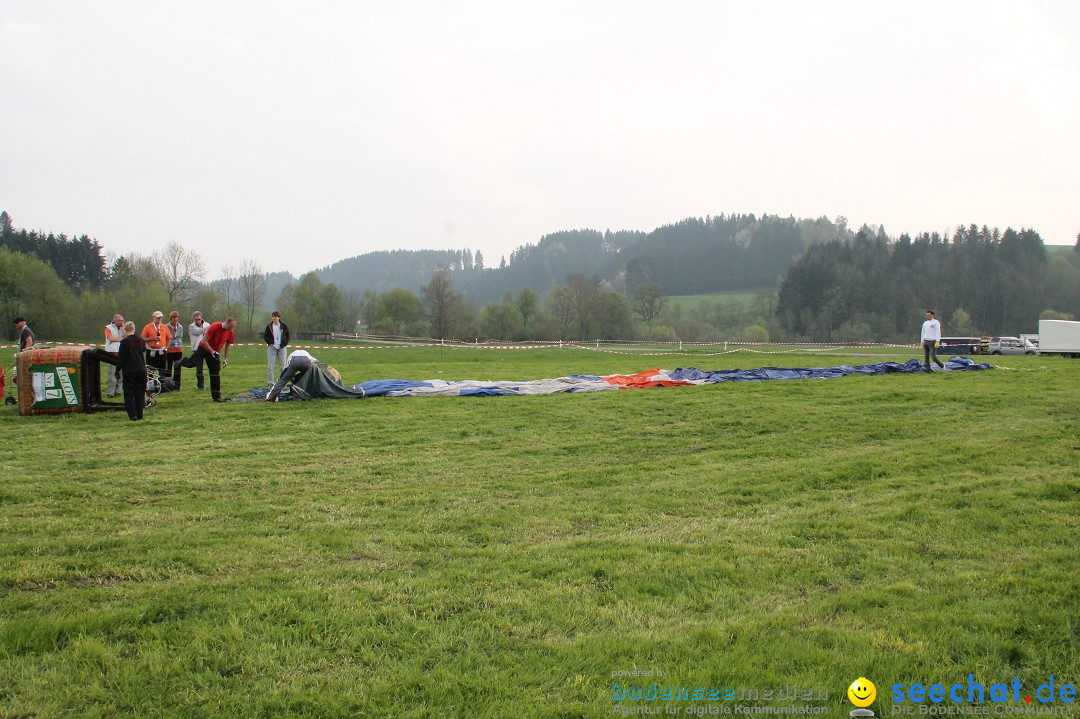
228, 288
179, 270
398, 312
441, 304
526, 303
649, 301
252, 283
560, 302
501, 321
583, 290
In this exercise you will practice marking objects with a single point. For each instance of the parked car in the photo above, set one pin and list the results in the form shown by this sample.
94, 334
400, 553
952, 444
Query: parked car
1011, 346
960, 345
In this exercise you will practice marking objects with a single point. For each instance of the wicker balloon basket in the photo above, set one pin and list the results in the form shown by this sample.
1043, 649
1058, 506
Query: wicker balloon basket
60, 380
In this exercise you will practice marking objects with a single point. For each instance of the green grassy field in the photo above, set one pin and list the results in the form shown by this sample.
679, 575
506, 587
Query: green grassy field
503, 556
691, 302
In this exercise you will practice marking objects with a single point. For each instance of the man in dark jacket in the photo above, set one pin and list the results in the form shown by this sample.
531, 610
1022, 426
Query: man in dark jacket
26, 335
26, 339
133, 371
276, 337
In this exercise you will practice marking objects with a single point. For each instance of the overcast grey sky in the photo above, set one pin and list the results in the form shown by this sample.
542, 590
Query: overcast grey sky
297, 134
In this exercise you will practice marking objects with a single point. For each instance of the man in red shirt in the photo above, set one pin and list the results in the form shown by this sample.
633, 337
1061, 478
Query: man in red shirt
214, 349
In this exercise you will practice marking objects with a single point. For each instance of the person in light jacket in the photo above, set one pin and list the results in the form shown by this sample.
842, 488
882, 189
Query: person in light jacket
195, 331
114, 332
175, 350
931, 338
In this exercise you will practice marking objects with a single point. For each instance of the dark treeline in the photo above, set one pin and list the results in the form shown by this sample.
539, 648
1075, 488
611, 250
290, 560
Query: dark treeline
77, 261
68, 291
979, 281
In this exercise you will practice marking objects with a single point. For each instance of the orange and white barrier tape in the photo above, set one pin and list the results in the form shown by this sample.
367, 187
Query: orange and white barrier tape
730, 347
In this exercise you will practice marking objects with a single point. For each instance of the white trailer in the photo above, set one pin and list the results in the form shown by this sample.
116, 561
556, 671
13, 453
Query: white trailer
1059, 337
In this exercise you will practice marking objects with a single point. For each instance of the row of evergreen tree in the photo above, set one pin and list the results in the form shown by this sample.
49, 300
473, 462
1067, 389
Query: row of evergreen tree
78, 262
67, 290
979, 281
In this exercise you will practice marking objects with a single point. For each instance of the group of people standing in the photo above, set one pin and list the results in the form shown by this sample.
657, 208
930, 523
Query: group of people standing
160, 345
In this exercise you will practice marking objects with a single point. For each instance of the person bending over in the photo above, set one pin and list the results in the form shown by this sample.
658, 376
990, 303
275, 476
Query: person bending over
214, 350
299, 363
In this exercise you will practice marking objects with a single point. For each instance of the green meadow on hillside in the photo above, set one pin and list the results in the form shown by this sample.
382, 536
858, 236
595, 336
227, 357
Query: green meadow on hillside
516, 556
691, 302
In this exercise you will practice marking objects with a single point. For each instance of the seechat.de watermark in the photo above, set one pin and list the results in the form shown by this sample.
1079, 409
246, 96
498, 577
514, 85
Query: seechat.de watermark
974, 697
957, 698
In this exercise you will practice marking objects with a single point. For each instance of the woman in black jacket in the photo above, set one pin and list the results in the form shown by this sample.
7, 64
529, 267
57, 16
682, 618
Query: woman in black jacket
276, 336
133, 371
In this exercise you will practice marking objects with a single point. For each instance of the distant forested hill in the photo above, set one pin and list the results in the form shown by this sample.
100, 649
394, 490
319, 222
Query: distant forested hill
549, 261
981, 280
379, 271
715, 254
386, 270
719, 254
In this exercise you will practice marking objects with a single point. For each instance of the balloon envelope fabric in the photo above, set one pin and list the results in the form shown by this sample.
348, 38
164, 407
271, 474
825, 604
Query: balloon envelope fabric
596, 383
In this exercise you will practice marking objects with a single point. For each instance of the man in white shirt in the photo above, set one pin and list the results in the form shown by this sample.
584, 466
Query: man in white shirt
299, 363
931, 338
196, 330
114, 332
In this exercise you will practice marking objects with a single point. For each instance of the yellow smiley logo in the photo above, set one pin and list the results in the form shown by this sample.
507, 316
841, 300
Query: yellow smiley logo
862, 692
